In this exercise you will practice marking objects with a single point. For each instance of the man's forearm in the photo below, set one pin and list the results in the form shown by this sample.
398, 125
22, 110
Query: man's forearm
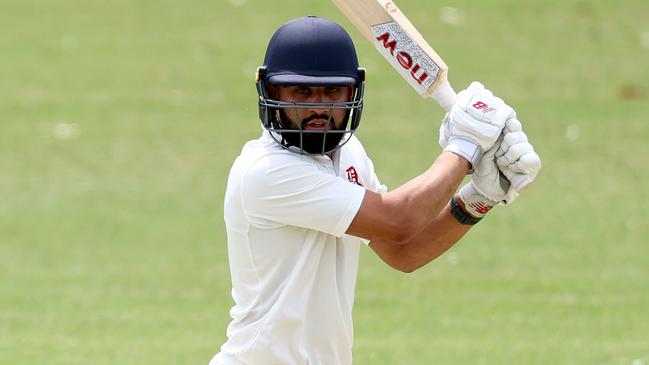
400, 215
440, 235
422, 199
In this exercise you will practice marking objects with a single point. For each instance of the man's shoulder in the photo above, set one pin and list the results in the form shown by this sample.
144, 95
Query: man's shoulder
354, 150
264, 148
263, 157
354, 146
262, 144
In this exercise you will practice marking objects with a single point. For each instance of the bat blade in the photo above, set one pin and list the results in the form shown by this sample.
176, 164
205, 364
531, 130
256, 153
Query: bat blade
394, 36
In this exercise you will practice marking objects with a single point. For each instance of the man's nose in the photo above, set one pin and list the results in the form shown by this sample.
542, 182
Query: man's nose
319, 97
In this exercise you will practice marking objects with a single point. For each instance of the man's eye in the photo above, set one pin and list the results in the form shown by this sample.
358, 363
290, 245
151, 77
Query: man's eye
302, 90
332, 90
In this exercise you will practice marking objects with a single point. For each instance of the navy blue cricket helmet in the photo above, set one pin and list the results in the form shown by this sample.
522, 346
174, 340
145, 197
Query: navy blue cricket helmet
310, 51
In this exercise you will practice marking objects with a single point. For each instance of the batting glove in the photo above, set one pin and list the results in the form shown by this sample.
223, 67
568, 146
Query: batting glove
516, 159
486, 188
504, 171
474, 123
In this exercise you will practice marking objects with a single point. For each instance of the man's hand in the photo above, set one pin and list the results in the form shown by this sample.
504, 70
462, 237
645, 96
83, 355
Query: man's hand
516, 159
487, 186
512, 158
474, 123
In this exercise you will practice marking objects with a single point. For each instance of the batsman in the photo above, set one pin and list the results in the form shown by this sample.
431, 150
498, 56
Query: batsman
303, 199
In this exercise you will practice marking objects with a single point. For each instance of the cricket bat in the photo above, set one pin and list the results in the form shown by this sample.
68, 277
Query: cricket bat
394, 36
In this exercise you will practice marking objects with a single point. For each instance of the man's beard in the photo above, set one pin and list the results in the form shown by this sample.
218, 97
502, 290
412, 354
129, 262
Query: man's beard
313, 142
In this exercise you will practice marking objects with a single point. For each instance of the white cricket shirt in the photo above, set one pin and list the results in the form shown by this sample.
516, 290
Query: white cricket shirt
293, 268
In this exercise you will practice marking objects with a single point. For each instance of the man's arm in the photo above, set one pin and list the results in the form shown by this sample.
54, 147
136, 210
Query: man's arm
475, 122
485, 190
400, 215
440, 235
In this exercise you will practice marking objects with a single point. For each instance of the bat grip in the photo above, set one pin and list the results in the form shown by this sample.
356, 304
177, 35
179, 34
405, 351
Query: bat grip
444, 95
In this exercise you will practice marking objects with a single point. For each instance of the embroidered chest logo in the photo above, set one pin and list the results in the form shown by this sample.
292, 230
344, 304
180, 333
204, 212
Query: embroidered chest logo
352, 176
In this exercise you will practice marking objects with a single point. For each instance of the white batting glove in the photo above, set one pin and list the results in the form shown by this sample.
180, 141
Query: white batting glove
503, 173
474, 123
487, 186
517, 159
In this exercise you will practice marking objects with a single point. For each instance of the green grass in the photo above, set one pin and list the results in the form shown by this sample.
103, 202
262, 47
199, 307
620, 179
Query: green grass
119, 121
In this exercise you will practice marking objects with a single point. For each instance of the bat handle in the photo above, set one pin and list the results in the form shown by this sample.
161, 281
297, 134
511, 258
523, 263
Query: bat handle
444, 95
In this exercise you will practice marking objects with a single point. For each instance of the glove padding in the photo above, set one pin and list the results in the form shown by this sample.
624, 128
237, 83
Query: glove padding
516, 159
508, 167
487, 186
474, 123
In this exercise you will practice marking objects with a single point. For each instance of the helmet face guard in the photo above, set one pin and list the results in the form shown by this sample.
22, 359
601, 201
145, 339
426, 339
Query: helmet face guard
275, 115
312, 52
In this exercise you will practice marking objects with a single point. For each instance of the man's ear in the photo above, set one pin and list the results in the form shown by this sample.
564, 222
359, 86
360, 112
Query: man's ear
351, 89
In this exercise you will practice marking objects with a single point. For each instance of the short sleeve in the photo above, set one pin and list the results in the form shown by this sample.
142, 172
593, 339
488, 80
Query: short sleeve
278, 190
374, 182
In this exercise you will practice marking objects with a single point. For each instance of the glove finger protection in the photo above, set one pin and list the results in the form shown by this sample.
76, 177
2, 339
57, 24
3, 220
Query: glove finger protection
510, 139
528, 163
513, 154
487, 180
486, 188
520, 174
520, 165
512, 125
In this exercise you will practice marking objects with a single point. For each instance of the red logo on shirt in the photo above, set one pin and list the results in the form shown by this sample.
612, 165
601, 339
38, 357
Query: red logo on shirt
352, 176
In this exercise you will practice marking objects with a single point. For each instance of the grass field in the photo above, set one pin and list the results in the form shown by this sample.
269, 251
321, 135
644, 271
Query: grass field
119, 121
